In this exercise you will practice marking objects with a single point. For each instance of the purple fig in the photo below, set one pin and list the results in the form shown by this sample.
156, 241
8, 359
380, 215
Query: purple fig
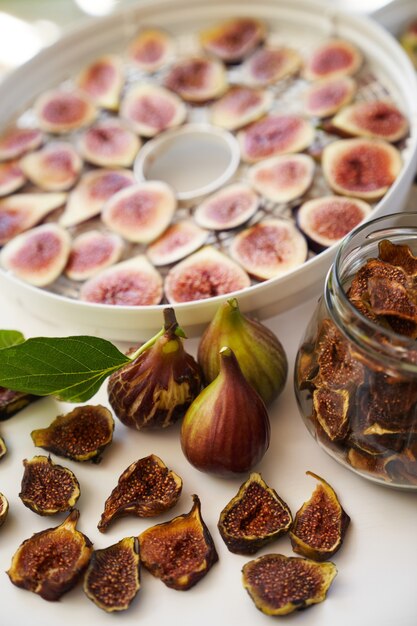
102, 81
269, 65
11, 177
150, 109
240, 106
61, 112
24, 210
379, 119
335, 57
197, 79
327, 96
233, 39
283, 178
151, 49
56, 167
228, 208
178, 241
109, 143
91, 252
15, 142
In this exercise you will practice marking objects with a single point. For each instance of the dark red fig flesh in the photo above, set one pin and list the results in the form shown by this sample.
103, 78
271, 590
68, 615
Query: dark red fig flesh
326, 97
150, 109
91, 252
11, 177
61, 112
178, 241
335, 57
240, 106
230, 207
151, 49
284, 177
379, 119
102, 81
15, 142
197, 79
233, 39
269, 65
109, 143
56, 167
22, 211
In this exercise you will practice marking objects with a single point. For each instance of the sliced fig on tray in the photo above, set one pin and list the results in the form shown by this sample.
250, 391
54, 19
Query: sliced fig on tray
233, 39
284, 177
102, 81
91, 252
197, 79
178, 241
327, 96
15, 142
61, 112
56, 167
109, 143
228, 208
240, 106
150, 109
378, 118
24, 210
334, 57
151, 49
11, 177
269, 65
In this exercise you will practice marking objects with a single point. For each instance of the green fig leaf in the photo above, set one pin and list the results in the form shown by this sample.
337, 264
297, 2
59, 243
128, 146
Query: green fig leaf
10, 338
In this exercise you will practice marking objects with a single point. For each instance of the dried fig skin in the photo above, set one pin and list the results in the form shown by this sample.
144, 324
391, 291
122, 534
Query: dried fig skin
4, 508
11, 402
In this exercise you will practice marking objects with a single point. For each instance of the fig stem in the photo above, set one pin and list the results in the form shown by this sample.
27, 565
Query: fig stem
170, 326
148, 344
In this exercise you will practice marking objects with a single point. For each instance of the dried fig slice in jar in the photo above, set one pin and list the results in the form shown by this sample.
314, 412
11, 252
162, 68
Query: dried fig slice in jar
254, 517
373, 268
4, 508
234, 38
102, 81
197, 79
24, 210
60, 112
56, 167
109, 143
228, 208
112, 579
48, 488
334, 57
326, 97
390, 298
150, 109
332, 411
379, 119
12, 177
80, 435
145, 489
239, 106
151, 49
399, 255
320, 525
15, 142
179, 552
11, 402
270, 64
283, 178
176, 242
52, 561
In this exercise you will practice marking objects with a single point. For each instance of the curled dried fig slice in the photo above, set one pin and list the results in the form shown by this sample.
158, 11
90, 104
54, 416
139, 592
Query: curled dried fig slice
338, 369
197, 79
240, 106
48, 488
151, 49
273, 135
80, 435
102, 81
141, 212
11, 177
233, 39
284, 177
11, 402
332, 411
369, 463
3, 447
112, 579
320, 525
145, 489
399, 255
52, 561
228, 208
363, 168
390, 298
254, 517
269, 249
269, 65
91, 252
176, 242
150, 109
61, 112
204, 274
37, 256
134, 282
24, 210
327, 96
56, 167
379, 119
374, 268
179, 552
15, 142
109, 143
335, 57
279, 584
4, 508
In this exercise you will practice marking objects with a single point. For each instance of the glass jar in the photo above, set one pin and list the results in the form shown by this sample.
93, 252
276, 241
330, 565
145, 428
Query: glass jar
356, 367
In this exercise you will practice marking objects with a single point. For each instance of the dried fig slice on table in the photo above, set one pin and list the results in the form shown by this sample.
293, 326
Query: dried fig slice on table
4, 509
24, 210
234, 38
327, 96
334, 57
60, 112
102, 81
12, 177
271, 64
229, 207
56, 167
150, 109
239, 106
15, 142
380, 119
91, 252
151, 49
176, 242
11, 402
197, 79
3, 447
109, 143
284, 177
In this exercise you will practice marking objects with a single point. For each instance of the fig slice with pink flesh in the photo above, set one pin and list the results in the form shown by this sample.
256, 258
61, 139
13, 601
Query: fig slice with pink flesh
150, 109
93, 190
273, 135
55, 167
240, 106
269, 65
24, 210
151, 49
102, 81
197, 79
234, 38
61, 112
178, 241
11, 177
269, 249
379, 119
141, 212
363, 168
205, 274
109, 143
325, 97
37, 256
334, 57
283, 178
228, 208
91, 252
15, 142
134, 282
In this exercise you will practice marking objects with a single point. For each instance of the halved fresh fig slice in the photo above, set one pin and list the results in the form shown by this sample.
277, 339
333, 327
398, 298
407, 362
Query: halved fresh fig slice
151, 49
363, 168
92, 192
205, 274
24, 210
109, 143
91, 252
378, 118
197, 79
55, 167
273, 135
178, 241
269, 65
102, 81
233, 39
11, 177
39, 255
134, 282
141, 212
228, 208
240, 106
327, 220
150, 109
335, 57
269, 249
327, 96
283, 178
61, 112
15, 142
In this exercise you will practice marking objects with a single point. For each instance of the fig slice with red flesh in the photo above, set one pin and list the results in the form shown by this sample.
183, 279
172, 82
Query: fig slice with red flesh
91, 252
205, 274
178, 241
88, 198
269, 249
228, 208
240, 106
39, 255
23, 211
269, 65
134, 282
331, 408
151, 49
109, 143
284, 177
11, 177
335, 57
15, 142
273, 135
325, 221
325, 97
102, 81
4, 508
150, 109
234, 38
61, 112
197, 79
379, 119
141, 212
363, 168
56, 167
